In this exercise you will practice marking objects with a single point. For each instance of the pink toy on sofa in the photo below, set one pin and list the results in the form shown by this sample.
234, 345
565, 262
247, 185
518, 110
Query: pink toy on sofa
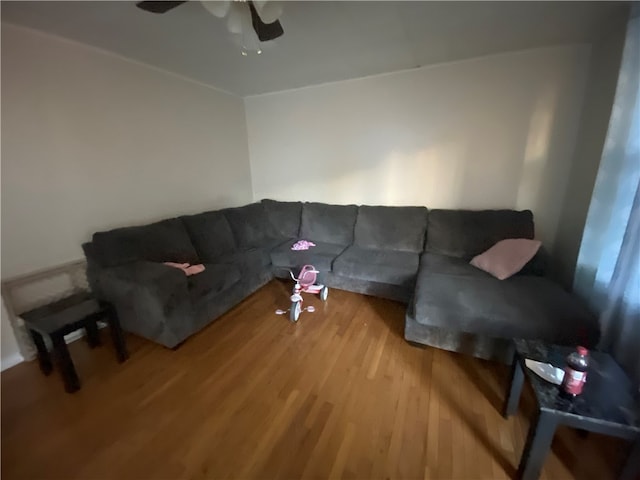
302, 245
186, 268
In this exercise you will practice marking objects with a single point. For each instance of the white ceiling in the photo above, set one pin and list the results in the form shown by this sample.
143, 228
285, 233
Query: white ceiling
323, 41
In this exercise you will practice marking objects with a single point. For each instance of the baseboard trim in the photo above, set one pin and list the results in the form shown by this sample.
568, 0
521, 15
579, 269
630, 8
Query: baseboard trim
11, 361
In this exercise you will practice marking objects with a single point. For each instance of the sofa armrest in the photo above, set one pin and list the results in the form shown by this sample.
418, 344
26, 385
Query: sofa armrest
148, 275
151, 300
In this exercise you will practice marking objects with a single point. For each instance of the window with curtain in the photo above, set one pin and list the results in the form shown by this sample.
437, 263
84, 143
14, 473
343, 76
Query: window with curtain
608, 268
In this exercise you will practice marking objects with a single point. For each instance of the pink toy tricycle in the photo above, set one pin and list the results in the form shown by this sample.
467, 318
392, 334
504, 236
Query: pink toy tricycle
306, 282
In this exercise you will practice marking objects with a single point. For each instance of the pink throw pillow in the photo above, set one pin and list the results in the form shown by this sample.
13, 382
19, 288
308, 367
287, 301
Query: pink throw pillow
507, 257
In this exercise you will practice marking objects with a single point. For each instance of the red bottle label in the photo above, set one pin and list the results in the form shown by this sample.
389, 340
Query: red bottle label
573, 381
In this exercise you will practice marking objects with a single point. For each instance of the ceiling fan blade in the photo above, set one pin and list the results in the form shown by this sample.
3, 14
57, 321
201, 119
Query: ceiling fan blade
265, 31
159, 6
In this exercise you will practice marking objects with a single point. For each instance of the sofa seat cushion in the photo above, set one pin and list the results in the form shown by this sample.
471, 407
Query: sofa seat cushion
456, 296
250, 262
211, 235
431, 263
391, 228
326, 223
215, 279
321, 256
383, 266
165, 241
467, 233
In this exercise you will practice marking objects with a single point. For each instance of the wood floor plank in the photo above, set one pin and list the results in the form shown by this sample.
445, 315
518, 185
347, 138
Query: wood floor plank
340, 394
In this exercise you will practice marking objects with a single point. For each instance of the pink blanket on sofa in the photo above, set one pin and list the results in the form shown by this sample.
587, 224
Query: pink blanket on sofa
302, 245
186, 268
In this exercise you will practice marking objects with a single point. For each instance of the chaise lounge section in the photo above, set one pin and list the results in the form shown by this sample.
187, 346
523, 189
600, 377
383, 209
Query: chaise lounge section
462, 308
408, 254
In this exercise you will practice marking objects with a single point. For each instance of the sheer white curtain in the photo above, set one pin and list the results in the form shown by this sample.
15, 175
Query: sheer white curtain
608, 269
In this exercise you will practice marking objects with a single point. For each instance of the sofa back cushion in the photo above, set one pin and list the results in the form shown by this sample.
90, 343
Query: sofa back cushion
391, 228
165, 241
250, 226
211, 235
322, 222
284, 217
467, 233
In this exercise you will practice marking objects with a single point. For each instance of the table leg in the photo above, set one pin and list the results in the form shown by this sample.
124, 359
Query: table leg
44, 359
93, 334
116, 335
539, 438
515, 388
63, 359
631, 469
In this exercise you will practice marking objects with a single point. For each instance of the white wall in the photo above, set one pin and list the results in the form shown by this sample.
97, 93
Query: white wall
491, 132
93, 141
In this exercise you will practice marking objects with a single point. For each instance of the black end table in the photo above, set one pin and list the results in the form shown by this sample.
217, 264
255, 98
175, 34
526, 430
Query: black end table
50, 323
607, 405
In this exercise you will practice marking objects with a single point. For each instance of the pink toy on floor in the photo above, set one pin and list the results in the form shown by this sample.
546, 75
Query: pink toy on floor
186, 268
302, 245
306, 282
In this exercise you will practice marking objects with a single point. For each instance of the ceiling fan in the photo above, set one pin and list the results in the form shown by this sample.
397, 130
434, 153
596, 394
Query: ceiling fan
264, 14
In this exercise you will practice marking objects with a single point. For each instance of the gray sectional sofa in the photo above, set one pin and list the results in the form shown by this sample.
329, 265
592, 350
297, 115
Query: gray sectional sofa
408, 254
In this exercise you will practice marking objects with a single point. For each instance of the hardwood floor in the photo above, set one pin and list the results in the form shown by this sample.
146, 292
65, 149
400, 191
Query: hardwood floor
340, 394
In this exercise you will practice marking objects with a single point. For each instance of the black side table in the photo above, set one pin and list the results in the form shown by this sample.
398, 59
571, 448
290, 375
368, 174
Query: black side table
50, 323
607, 405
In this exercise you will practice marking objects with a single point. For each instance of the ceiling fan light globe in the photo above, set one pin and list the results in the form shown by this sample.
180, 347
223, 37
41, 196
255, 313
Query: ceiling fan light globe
239, 16
259, 4
269, 11
218, 8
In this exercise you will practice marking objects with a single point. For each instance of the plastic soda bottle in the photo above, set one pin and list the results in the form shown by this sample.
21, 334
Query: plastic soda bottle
575, 373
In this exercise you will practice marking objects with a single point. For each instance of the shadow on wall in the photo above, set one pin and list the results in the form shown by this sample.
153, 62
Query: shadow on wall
547, 158
94, 222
